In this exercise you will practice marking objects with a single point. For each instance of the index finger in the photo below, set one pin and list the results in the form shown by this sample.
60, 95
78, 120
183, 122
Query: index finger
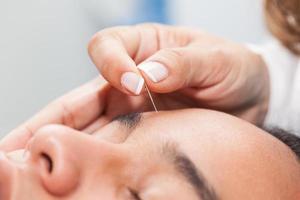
76, 109
117, 50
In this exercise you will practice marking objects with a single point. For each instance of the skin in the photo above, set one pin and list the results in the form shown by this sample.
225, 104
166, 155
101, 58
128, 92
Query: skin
238, 160
204, 71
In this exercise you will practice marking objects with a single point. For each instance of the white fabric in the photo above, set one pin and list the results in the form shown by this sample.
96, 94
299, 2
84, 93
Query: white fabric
284, 70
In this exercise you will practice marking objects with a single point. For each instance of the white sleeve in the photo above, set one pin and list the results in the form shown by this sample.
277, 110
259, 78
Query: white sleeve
284, 80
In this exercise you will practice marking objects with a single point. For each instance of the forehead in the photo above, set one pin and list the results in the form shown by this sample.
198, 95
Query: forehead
198, 132
222, 146
196, 124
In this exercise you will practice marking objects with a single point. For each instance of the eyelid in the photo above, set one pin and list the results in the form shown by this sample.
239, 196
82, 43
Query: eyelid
124, 133
114, 133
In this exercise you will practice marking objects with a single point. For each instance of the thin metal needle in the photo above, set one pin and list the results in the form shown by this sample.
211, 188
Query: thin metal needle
149, 94
151, 98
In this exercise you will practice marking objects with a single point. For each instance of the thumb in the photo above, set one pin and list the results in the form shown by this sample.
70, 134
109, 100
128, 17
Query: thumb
169, 70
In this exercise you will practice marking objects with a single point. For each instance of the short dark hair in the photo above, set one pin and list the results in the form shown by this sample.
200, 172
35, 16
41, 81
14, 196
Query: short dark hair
287, 137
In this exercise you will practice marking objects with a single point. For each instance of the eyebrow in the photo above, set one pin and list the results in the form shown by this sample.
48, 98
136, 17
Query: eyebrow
130, 120
182, 163
187, 169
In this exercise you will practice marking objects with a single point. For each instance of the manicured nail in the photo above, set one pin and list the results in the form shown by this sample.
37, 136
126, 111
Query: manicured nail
154, 70
132, 82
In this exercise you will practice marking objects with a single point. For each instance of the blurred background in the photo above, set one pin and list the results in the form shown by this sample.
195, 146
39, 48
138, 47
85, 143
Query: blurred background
43, 42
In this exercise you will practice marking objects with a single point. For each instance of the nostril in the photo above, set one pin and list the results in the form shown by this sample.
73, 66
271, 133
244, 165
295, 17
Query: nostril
54, 161
59, 174
47, 161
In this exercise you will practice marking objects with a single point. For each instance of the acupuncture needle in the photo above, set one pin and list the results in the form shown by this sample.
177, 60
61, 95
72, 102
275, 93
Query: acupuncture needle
151, 98
149, 94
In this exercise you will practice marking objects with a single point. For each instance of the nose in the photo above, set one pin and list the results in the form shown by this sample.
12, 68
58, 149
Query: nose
54, 161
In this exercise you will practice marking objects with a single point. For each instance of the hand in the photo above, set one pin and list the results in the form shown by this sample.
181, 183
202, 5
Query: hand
87, 108
201, 71
193, 67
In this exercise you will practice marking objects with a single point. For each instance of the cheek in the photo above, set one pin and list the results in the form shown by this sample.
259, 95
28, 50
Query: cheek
113, 182
26, 181
168, 187
95, 190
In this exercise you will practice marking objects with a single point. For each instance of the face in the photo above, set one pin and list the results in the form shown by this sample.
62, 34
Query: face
186, 154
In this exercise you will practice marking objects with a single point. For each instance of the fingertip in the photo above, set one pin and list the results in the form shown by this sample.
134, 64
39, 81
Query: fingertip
155, 71
16, 139
132, 82
160, 78
7, 144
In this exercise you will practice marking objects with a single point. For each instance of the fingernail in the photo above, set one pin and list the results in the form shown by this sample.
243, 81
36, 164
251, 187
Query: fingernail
132, 82
154, 70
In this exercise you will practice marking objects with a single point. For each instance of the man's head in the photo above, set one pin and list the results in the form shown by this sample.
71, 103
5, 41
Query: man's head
187, 154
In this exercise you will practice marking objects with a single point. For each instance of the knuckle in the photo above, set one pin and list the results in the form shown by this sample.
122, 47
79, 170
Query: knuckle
174, 59
67, 116
150, 26
172, 52
108, 60
93, 43
102, 56
28, 130
221, 57
171, 56
97, 40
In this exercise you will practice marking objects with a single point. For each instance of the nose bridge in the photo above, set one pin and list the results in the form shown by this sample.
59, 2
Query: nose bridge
75, 146
63, 156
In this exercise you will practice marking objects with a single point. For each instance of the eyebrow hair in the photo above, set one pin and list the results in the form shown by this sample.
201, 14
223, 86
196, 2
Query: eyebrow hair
182, 163
130, 120
184, 166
